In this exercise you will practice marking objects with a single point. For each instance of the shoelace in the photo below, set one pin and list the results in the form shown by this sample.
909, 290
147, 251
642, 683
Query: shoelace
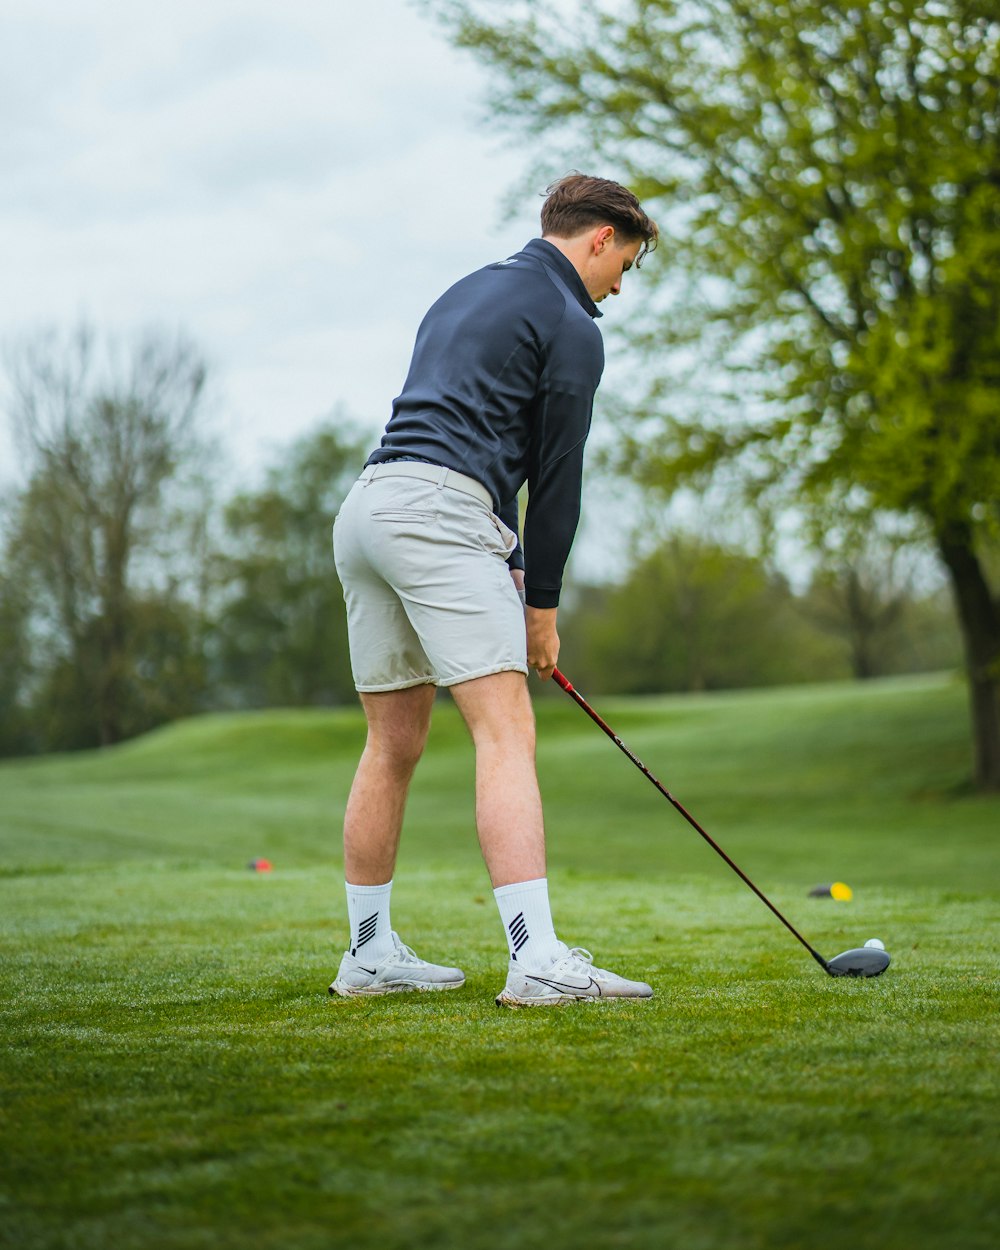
406, 954
577, 960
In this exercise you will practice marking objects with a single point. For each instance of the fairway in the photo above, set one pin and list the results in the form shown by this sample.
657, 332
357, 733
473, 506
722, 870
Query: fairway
176, 1076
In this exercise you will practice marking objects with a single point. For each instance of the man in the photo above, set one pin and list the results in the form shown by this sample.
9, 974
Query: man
499, 393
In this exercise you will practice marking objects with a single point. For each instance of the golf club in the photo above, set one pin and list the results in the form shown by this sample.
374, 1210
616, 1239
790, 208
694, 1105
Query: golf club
865, 961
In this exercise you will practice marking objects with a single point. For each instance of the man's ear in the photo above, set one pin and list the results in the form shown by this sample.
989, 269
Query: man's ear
603, 238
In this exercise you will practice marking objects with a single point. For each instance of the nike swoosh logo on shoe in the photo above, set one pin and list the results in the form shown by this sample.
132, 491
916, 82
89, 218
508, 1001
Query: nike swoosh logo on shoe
370, 971
590, 990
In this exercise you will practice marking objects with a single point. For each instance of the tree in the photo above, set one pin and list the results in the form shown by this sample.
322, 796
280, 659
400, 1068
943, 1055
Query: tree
281, 635
692, 615
16, 736
849, 603
106, 431
862, 591
828, 182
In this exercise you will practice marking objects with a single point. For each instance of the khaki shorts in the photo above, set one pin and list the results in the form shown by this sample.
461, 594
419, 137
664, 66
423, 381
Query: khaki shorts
430, 600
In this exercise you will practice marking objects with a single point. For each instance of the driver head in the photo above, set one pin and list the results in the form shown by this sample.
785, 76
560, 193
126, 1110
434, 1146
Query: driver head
865, 961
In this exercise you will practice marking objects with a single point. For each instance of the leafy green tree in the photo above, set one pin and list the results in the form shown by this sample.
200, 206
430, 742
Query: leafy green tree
164, 676
281, 636
107, 433
695, 616
16, 735
828, 187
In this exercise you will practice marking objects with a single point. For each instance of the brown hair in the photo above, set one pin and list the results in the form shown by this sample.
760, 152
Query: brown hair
577, 201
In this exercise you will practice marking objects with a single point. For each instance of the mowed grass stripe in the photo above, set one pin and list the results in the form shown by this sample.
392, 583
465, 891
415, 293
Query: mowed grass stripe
175, 1075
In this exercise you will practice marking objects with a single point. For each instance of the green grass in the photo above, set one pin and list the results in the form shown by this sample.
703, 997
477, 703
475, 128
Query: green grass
174, 1074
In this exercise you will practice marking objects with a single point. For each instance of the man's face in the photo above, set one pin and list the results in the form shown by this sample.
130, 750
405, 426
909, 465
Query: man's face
609, 262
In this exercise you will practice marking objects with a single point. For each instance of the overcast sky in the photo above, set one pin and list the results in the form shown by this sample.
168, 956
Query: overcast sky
291, 183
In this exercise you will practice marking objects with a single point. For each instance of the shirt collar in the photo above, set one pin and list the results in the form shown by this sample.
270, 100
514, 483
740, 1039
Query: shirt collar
551, 256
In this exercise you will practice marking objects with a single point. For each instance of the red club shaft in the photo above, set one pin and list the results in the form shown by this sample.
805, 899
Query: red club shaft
575, 695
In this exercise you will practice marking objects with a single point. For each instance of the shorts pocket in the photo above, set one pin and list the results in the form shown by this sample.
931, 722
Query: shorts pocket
404, 516
498, 539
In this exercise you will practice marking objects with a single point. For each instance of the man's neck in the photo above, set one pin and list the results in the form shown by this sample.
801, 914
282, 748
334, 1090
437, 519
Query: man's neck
577, 251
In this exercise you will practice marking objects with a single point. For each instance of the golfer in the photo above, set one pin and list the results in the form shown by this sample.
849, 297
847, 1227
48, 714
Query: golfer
440, 592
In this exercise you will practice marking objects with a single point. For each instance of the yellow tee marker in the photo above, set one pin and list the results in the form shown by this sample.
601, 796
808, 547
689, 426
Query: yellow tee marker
838, 890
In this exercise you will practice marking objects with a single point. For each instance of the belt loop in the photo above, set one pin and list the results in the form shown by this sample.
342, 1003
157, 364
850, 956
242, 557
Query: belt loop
443, 477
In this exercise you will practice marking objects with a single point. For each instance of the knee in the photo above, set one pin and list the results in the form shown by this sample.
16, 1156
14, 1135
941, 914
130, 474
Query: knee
399, 753
499, 714
513, 734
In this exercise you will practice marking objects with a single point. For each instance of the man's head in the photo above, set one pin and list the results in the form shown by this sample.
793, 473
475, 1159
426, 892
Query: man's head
600, 226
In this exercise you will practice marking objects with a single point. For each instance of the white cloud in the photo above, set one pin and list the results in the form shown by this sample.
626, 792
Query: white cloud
292, 184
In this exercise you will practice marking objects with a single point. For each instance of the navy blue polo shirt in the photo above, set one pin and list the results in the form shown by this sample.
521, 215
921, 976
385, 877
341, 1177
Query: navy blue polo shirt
501, 387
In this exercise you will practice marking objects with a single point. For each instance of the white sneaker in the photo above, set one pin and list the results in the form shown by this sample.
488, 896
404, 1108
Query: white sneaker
399, 971
571, 978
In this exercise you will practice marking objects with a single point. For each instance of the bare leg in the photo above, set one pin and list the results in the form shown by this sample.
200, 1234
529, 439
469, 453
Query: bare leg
498, 712
398, 721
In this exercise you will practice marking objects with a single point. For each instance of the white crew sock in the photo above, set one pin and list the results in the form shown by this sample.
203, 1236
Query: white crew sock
368, 912
527, 921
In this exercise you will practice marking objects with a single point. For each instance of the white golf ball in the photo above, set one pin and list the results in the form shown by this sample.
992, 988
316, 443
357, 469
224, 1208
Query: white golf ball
877, 943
